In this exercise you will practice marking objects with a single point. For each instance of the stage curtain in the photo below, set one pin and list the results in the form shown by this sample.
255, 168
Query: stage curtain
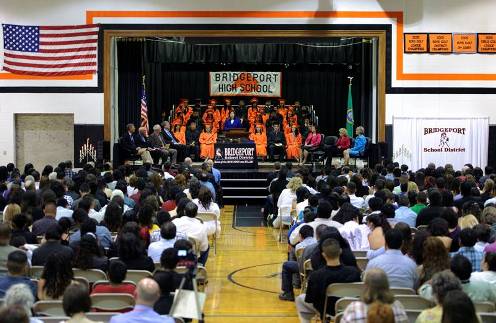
313, 75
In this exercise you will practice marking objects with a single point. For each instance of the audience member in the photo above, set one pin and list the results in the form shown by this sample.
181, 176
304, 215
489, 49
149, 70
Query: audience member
478, 291
5, 248
41, 226
442, 283
116, 274
168, 238
132, 253
313, 300
147, 294
467, 243
400, 269
376, 290
403, 213
19, 296
52, 245
488, 273
17, 266
435, 259
76, 302
56, 276
458, 307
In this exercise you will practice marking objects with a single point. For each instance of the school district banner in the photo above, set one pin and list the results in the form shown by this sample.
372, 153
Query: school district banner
266, 84
456, 141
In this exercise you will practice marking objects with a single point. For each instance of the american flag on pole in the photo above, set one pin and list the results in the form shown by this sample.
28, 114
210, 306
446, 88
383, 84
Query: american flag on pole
50, 50
144, 107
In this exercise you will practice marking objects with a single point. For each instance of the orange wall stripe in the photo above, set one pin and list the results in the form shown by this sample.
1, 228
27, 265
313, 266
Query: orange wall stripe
398, 15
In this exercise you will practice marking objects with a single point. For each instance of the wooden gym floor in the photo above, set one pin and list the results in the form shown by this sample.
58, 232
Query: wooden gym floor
244, 277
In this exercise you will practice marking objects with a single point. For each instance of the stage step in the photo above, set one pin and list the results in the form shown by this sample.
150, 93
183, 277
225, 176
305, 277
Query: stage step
244, 187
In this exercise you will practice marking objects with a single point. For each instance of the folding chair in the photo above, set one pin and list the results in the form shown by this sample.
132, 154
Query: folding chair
201, 276
112, 302
284, 213
360, 253
178, 320
158, 266
402, 291
106, 282
362, 262
485, 307
343, 290
413, 314
136, 275
307, 269
342, 303
422, 227
52, 319
210, 217
83, 281
299, 253
338, 317
92, 275
414, 302
101, 316
35, 272
487, 317
196, 246
48, 308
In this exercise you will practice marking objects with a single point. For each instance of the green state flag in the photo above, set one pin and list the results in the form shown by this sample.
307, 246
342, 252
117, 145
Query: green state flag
349, 113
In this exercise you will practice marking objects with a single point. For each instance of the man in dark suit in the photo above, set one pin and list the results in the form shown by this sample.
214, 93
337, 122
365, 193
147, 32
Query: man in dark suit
128, 144
171, 140
141, 140
192, 143
276, 143
161, 149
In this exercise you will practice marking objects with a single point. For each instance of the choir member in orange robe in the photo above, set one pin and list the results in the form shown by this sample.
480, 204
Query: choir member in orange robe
252, 110
293, 144
180, 133
260, 140
225, 111
208, 115
281, 109
179, 119
207, 140
259, 120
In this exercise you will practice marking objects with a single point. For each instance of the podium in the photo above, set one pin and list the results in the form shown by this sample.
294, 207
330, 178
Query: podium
237, 133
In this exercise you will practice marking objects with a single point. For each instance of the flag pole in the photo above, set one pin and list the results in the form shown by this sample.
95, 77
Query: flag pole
350, 122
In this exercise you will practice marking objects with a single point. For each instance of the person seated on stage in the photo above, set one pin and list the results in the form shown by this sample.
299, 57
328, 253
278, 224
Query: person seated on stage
311, 143
244, 122
195, 117
358, 148
208, 138
273, 118
217, 115
226, 110
129, 144
169, 139
293, 144
232, 122
260, 139
258, 120
192, 140
161, 149
180, 133
281, 109
305, 127
343, 143
291, 117
178, 119
209, 115
242, 110
276, 142
252, 110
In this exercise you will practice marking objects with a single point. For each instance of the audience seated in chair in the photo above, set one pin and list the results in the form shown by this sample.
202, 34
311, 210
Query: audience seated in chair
76, 302
17, 266
116, 274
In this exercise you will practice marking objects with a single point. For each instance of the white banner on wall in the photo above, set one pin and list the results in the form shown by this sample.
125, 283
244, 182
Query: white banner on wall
456, 141
266, 84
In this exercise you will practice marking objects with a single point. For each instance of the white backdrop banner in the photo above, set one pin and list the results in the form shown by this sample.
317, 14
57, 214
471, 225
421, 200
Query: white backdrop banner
457, 141
266, 84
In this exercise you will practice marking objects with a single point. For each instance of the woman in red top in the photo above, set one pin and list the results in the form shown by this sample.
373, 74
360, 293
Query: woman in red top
311, 143
343, 142
116, 273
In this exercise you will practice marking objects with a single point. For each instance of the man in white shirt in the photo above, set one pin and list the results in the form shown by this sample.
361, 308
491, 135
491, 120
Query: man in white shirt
167, 240
190, 226
356, 201
323, 217
63, 210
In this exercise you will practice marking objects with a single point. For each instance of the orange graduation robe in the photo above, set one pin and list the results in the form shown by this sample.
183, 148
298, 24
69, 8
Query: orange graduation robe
293, 148
181, 135
207, 142
260, 140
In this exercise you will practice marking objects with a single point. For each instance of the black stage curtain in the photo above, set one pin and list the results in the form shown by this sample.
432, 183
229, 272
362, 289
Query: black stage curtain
313, 75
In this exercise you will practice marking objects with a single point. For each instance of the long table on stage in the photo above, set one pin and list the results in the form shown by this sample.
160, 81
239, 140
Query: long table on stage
236, 155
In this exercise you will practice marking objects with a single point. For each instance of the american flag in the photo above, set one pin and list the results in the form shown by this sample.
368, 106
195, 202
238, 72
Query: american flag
50, 50
144, 108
